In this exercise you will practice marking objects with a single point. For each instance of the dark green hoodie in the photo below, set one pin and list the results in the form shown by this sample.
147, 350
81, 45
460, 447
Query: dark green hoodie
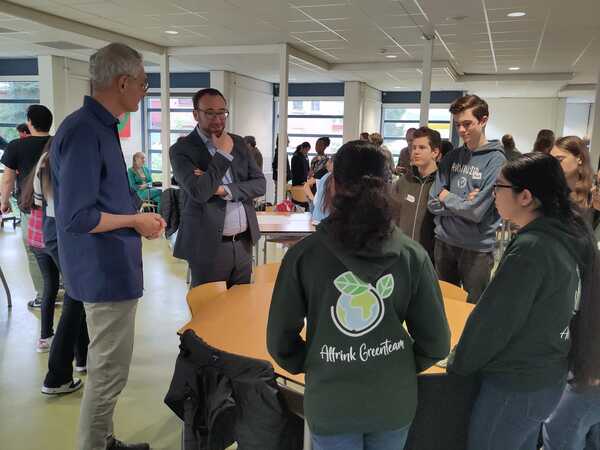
360, 362
518, 333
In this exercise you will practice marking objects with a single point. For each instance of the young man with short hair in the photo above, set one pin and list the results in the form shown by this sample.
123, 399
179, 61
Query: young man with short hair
413, 188
404, 157
462, 201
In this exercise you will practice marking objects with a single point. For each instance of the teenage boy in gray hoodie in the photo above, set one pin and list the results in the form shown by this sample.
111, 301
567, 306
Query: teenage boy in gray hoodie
462, 201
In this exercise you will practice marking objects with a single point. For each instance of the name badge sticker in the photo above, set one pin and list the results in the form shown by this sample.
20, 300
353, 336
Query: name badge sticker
410, 198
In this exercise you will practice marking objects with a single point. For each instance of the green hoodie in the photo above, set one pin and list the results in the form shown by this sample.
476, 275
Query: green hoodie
361, 364
518, 334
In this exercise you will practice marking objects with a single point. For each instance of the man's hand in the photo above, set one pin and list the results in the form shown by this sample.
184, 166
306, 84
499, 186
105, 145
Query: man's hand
198, 172
5, 207
220, 192
223, 142
443, 195
472, 194
143, 186
149, 225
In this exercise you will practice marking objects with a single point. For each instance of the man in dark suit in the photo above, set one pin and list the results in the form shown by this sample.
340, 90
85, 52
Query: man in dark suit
221, 179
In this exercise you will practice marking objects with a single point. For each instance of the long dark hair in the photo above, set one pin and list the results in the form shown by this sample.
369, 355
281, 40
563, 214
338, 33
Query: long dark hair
26, 200
585, 176
364, 209
542, 175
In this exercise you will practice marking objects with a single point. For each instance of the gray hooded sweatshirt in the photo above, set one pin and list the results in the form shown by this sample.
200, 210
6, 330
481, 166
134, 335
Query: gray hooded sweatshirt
463, 223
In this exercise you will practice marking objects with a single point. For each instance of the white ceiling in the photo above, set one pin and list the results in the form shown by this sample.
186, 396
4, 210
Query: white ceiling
475, 36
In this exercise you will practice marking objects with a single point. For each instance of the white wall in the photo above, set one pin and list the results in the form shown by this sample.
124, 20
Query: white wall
251, 104
371, 121
133, 144
578, 119
353, 110
524, 117
63, 84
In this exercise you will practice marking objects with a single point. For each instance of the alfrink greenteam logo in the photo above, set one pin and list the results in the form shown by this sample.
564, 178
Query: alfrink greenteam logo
360, 308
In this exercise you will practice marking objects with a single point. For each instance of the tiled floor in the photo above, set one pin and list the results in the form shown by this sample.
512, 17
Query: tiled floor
32, 421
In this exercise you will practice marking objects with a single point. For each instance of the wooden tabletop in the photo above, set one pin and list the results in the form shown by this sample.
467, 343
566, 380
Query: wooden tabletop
285, 222
236, 322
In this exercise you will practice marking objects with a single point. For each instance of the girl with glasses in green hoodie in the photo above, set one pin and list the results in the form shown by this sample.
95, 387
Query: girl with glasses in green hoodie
575, 424
522, 336
356, 281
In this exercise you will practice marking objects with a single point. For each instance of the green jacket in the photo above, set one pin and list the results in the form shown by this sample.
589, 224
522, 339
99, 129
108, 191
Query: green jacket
135, 181
361, 364
518, 333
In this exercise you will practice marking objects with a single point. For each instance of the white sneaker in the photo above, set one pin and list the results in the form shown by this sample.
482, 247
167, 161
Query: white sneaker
66, 388
43, 345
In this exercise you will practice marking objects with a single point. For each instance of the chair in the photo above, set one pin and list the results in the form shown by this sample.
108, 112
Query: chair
266, 273
299, 196
453, 292
5, 284
203, 293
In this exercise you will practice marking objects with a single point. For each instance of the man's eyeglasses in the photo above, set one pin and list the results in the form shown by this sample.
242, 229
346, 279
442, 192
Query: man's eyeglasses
500, 185
144, 85
212, 114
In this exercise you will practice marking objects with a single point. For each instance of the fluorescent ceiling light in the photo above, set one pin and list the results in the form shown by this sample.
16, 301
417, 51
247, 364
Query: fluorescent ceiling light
391, 56
173, 32
514, 68
517, 14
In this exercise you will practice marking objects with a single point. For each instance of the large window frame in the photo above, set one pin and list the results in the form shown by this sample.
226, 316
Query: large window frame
148, 130
414, 123
25, 101
296, 138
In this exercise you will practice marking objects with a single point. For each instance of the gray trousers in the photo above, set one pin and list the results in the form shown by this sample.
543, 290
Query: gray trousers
462, 267
111, 327
34, 269
232, 263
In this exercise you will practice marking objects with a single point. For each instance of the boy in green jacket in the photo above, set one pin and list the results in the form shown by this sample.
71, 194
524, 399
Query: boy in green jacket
356, 281
412, 189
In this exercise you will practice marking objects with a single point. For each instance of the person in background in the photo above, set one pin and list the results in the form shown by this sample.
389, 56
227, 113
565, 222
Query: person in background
377, 140
99, 234
47, 267
254, 150
23, 130
575, 424
521, 336
445, 148
544, 141
462, 201
140, 180
71, 339
510, 150
221, 180
412, 189
19, 159
275, 162
357, 256
322, 200
318, 165
300, 165
404, 157
3, 143
364, 136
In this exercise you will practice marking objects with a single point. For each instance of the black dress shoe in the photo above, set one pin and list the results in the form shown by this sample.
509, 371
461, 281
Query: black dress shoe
115, 444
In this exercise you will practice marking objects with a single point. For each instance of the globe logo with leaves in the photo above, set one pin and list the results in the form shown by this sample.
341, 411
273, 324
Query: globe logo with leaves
360, 307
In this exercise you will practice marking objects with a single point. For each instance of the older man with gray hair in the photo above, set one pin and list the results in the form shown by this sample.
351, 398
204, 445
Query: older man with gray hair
99, 233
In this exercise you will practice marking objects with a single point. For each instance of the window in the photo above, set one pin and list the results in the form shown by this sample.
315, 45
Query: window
397, 119
182, 122
15, 98
308, 120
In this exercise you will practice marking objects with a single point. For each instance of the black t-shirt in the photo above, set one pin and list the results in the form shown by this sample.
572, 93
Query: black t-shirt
22, 155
